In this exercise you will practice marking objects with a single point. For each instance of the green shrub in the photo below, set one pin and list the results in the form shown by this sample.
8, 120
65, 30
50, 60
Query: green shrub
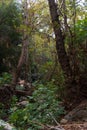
5, 78
43, 107
3, 112
1, 127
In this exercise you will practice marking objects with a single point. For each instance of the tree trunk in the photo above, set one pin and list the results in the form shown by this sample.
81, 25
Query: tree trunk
24, 53
62, 55
21, 61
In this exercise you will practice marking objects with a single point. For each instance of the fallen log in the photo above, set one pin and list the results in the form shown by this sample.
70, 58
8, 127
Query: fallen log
23, 93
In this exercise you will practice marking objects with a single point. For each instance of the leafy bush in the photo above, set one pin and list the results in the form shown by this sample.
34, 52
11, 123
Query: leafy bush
43, 107
5, 78
81, 30
1, 127
46, 103
3, 113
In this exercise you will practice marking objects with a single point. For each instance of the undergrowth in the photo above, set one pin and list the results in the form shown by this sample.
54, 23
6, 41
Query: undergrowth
43, 108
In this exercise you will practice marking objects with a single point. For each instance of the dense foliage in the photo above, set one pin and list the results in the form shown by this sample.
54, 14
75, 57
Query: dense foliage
43, 107
28, 52
9, 36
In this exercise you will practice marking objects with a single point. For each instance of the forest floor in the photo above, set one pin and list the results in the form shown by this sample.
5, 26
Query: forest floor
75, 126
77, 118
69, 126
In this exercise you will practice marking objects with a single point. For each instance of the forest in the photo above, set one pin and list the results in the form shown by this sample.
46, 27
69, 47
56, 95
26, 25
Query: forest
43, 64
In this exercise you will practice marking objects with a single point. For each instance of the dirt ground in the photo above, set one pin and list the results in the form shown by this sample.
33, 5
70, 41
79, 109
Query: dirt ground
75, 126
77, 118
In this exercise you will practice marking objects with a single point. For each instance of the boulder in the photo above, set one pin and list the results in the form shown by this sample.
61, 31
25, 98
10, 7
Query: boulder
6, 126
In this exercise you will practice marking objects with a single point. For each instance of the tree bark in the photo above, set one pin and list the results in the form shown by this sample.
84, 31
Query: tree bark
24, 53
60, 47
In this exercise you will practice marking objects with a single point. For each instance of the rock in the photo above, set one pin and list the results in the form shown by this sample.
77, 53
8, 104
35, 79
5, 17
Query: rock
5, 125
63, 121
23, 103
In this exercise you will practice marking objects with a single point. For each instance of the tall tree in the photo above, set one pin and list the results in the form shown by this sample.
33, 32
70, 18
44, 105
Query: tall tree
70, 66
9, 36
24, 53
60, 46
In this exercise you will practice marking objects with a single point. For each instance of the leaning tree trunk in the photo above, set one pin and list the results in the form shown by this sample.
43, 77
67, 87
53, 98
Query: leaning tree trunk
73, 89
60, 47
24, 53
